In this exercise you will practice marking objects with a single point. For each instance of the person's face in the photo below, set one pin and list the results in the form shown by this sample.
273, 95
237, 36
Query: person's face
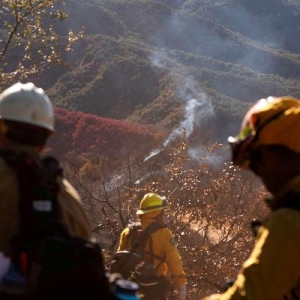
268, 166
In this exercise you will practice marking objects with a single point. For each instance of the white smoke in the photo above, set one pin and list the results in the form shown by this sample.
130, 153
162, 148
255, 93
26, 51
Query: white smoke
198, 105
216, 156
195, 111
153, 153
158, 58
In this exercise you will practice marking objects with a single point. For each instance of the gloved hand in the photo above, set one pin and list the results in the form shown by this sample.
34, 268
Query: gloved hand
181, 292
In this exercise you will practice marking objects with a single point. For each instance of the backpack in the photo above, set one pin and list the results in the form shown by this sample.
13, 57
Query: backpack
54, 264
136, 264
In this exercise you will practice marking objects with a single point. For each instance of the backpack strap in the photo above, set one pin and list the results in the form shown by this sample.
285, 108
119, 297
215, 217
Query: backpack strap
133, 235
152, 255
38, 188
145, 236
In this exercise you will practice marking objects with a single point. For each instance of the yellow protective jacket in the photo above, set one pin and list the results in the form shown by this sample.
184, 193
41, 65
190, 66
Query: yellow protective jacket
69, 202
273, 269
163, 246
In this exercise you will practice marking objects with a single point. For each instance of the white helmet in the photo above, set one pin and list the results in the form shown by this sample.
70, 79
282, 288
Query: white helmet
26, 103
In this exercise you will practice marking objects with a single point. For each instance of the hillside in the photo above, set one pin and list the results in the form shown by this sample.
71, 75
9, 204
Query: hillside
82, 135
143, 61
150, 70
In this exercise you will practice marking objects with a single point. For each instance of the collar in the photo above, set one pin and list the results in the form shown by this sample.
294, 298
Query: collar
146, 222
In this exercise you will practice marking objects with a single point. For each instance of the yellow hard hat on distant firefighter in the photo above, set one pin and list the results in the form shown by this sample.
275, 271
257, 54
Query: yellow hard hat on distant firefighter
152, 202
271, 121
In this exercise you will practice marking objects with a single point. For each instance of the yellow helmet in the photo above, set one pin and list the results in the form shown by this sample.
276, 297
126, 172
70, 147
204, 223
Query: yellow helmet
271, 121
152, 202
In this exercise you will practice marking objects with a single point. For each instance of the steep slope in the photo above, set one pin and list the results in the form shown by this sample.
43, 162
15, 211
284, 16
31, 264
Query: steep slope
162, 26
273, 22
145, 60
80, 134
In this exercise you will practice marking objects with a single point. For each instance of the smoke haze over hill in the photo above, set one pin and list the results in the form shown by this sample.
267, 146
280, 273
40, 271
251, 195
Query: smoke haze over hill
137, 57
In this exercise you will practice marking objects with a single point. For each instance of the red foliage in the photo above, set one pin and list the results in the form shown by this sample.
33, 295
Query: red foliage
83, 134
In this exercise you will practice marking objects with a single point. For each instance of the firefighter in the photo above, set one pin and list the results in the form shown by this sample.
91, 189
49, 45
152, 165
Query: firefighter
269, 145
26, 123
152, 208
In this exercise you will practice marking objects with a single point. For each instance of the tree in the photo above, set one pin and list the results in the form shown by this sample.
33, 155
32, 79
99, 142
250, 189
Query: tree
29, 41
210, 207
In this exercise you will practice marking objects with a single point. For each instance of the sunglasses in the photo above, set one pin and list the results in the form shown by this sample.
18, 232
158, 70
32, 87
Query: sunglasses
240, 150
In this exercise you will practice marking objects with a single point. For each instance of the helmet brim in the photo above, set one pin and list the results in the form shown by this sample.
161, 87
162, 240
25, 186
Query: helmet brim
143, 212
